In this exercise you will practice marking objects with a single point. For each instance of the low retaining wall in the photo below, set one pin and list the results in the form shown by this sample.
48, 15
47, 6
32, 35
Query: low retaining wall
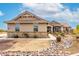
25, 39
28, 34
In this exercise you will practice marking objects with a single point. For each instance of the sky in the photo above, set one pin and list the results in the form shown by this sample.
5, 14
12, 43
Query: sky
61, 12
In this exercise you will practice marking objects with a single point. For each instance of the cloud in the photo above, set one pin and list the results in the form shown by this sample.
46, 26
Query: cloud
43, 8
1, 13
54, 11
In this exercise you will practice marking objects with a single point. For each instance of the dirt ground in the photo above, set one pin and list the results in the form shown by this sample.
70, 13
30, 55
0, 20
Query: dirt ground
75, 47
23, 45
32, 45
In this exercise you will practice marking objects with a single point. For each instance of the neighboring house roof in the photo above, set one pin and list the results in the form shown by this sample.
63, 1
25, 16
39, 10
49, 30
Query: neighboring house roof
36, 19
54, 23
65, 24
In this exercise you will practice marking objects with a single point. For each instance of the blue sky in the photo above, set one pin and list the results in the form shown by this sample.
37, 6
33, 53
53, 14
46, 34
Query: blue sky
61, 12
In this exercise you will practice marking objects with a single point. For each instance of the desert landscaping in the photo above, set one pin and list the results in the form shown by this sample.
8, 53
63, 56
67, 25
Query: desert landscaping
35, 46
29, 34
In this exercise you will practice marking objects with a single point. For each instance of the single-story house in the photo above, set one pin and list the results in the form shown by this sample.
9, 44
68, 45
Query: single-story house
28, 24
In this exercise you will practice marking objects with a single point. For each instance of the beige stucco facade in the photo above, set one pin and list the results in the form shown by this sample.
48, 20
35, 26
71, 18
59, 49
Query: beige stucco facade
26, 21
28, 27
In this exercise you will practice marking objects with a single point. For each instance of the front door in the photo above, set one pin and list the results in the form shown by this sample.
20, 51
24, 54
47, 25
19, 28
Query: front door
48, 28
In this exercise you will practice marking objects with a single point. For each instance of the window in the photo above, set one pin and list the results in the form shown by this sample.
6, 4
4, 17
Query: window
35, 27
17, 27
56, 29
20, 17
48, 29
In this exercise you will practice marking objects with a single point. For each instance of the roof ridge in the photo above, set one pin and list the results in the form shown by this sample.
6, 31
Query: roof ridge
55, 21
24, 12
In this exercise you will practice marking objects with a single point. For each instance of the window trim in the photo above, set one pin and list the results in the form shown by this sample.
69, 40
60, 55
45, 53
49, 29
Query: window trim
17, 27
35, 27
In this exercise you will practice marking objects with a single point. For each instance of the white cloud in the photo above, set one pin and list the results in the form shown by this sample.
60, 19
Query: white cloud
44, 8
54, 11
1, 13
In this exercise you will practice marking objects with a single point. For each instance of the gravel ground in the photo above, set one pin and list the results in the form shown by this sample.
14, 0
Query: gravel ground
35, 46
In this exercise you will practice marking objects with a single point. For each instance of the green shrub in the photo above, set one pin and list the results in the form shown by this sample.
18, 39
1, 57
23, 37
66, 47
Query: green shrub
62, 34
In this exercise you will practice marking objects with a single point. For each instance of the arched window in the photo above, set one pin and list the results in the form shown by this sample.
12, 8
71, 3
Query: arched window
35, 27
17, 27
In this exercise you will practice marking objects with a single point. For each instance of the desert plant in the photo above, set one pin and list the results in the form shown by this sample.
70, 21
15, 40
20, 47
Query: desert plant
26, 35
35, 36
62, 34
15, 36
58, 39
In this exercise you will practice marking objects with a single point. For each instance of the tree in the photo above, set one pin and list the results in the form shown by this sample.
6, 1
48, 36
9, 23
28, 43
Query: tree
77, 27
76, 30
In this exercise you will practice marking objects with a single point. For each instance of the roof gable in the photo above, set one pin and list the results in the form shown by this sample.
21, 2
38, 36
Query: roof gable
28, 17
54, 23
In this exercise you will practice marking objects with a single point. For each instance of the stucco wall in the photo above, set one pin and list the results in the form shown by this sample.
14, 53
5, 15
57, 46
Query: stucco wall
11, 27
42, 27
28, 27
